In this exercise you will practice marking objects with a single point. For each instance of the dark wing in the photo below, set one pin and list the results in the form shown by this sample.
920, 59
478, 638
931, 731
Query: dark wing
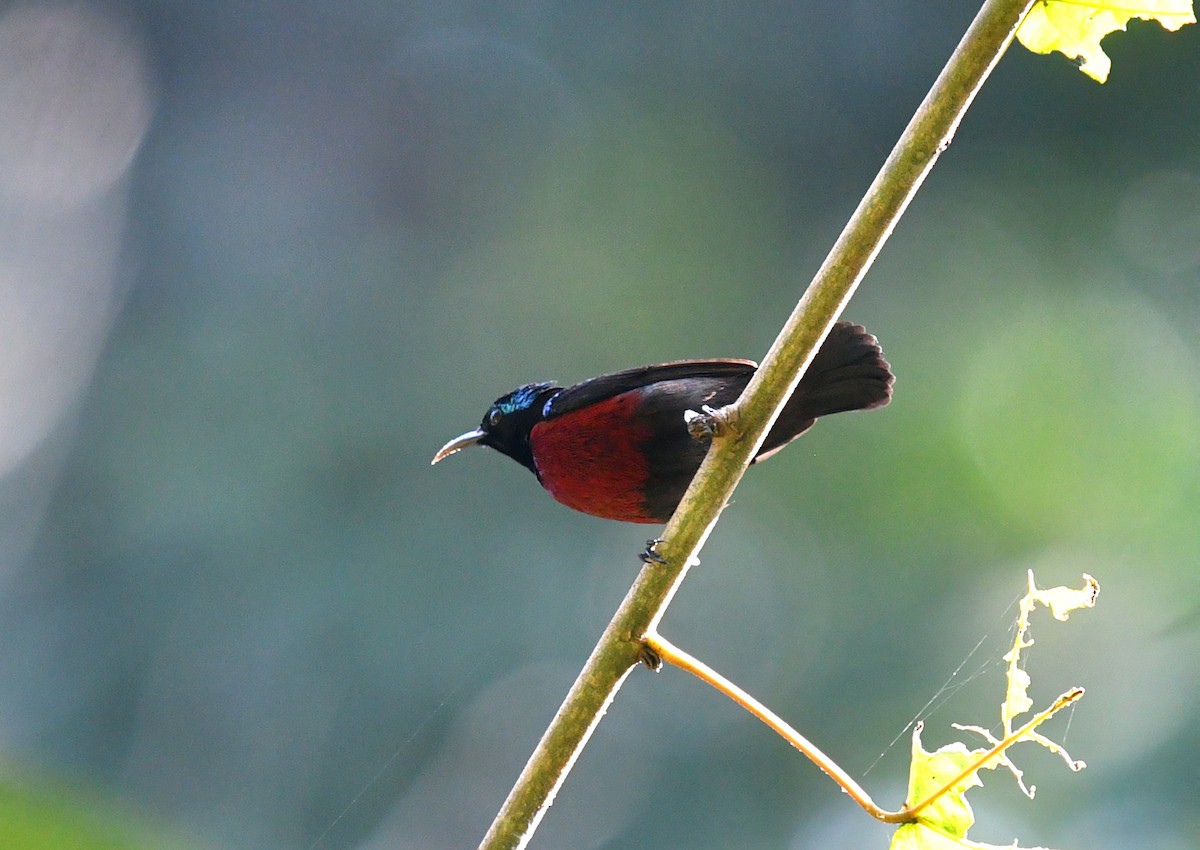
607, 386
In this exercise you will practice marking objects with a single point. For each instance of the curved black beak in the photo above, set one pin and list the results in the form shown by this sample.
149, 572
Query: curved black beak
458, 444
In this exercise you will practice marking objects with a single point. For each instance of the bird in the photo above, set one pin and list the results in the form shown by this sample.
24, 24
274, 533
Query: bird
618, 446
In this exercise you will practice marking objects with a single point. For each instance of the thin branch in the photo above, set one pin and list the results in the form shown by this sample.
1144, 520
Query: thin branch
680, 658
677, 657
927, 135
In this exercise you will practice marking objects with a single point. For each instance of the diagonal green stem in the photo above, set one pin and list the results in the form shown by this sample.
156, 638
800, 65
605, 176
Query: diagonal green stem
619, 648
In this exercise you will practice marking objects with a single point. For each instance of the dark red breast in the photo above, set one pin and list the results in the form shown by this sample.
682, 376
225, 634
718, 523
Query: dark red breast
593, 459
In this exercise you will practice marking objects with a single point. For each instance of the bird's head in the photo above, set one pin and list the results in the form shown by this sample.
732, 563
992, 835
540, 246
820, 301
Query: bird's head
506, 425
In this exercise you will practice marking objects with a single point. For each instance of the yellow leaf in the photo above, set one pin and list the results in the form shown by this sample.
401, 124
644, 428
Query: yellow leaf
918, 836
938, 781
1075, 27
950, 814
1063, 600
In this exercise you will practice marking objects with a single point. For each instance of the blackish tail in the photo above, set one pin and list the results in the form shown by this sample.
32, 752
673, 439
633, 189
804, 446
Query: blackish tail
847, 373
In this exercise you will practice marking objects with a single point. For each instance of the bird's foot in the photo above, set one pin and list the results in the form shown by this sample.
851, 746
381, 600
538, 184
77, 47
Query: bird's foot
708, 423
651, 555
650, 658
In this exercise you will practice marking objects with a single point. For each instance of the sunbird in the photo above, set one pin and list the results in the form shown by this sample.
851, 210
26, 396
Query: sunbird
618, 446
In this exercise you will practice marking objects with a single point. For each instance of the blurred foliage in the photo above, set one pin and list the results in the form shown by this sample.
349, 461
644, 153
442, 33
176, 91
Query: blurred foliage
57, 817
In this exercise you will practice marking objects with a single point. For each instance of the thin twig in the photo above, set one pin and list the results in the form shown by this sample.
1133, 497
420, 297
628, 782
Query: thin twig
677, 657
680, 658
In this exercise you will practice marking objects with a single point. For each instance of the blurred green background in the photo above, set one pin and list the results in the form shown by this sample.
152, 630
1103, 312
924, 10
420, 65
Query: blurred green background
258, 261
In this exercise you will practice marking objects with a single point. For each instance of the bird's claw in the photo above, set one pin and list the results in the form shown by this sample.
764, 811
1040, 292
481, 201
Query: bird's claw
651, 555
706, 424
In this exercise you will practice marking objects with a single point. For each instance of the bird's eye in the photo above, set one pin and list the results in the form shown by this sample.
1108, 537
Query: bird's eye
494, 416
